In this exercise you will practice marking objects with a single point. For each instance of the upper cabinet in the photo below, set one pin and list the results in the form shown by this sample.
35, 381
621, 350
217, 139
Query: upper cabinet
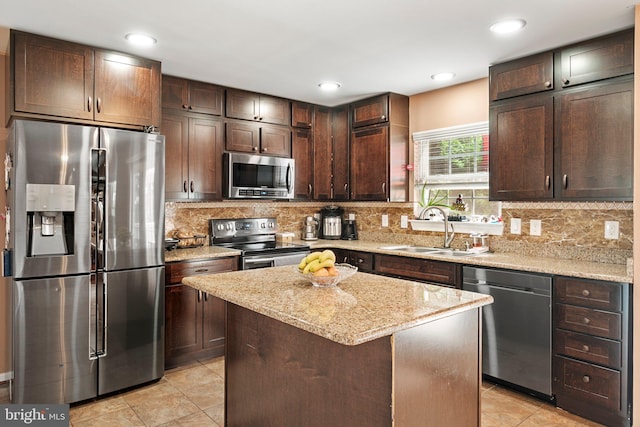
257, 138
370, 111
571, 140
50, 77
253, 106
188, 95
301, 115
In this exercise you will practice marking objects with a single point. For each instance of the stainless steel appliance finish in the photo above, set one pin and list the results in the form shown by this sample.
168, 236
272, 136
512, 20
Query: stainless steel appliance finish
248, 176
331, 222
516, 328
88, 316
310, 229
256, 238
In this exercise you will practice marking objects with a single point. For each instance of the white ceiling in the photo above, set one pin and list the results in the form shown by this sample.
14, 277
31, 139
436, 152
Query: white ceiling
286, 47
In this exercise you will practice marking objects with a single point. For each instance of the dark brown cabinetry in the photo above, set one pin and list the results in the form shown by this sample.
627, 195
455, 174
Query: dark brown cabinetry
331, 153
253, 106
362, 260
194, 321
301, 115
188, 95
340, 137
379, 152
591, 345
302, 153
441, 272
257, 138
193, 153
80, 83
570, 143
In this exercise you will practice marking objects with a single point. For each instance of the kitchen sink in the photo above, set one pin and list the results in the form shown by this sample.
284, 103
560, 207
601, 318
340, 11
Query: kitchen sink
429, 250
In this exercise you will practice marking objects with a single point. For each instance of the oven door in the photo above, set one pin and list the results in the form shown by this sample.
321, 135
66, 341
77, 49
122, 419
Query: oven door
250, 262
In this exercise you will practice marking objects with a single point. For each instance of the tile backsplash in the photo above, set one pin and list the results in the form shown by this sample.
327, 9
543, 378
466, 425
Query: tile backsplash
568, 230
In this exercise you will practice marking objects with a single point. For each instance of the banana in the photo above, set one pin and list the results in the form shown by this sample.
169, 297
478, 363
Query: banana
328, 254
327, 263
316, 265
312, 256
302, 264
310, 266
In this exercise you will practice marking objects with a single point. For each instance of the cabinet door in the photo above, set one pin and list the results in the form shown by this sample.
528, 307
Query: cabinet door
520, 77
369, 164
274, 110
597, 59
175, 129
183, 320
322, 155
242, 136
301, 115
175, 93
340, 136
52, 77
370, 111
214, 315
127, 89
521, 149
302, 153
595, 143
242, 104
205, 158
275, 141
206, 98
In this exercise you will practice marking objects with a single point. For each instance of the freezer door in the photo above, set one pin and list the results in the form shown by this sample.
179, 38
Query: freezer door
48, 156
51, 349
134, 199
134, 333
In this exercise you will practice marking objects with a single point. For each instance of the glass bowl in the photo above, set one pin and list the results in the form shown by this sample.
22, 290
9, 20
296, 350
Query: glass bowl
344, 271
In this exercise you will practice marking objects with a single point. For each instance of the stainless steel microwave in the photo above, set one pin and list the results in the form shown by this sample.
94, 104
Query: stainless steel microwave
248, 176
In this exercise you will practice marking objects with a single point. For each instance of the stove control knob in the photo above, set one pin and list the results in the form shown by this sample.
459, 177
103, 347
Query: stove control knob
220, 227
263, 225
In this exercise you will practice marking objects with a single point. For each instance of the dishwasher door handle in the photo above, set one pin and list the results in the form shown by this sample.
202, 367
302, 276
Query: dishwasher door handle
534, 291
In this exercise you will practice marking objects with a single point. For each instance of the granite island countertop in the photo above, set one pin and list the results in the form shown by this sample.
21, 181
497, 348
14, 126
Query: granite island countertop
362, 308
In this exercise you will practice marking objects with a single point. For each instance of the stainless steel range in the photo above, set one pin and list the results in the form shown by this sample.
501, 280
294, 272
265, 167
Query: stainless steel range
256, 238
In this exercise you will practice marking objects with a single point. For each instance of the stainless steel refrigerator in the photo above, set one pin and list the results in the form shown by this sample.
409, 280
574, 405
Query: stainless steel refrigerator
86, 234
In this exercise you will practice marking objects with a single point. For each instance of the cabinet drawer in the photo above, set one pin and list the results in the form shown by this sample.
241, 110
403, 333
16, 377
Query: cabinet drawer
589, 293
520, 77
362, 260
586, 382
586, 347
420, 269
176, 271
595, 322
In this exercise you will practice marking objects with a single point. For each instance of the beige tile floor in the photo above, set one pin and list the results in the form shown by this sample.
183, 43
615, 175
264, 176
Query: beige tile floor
194, 396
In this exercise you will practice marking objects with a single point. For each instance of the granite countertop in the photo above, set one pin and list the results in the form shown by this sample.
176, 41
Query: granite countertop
564, 267
362, 308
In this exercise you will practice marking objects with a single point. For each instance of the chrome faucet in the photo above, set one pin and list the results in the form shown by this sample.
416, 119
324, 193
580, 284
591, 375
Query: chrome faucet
448, 238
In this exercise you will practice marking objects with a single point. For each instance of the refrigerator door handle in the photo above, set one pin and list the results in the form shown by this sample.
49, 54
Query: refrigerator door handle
93, 319
102, 325
98, 188
98, 317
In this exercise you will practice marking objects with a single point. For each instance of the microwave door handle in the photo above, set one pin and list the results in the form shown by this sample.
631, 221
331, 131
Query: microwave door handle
289, 178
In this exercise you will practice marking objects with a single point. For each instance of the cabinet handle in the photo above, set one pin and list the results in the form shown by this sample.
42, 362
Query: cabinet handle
547, 84
565, 181
254, 148
384, 187
184, 106
191, 186
565, 81
547, 182
586, 320
184, 186
99, 104
310, 189
89, 103
585, 292
383, 117
586, 379
264, 150
190, 107
199, 296
202, 270
206, 296
345, 188
585, 348
360, 260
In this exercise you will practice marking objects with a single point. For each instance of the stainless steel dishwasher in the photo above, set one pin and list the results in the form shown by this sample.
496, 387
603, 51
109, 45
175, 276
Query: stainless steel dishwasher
516, 328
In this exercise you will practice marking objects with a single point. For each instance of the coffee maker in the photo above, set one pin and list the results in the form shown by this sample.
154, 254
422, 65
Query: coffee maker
331, 222
310, 229
350, 228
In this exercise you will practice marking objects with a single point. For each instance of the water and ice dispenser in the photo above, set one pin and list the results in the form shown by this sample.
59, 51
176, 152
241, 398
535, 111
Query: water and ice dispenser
50, 210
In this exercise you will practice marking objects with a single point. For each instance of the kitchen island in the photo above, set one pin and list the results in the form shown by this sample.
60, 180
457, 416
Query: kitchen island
374, 351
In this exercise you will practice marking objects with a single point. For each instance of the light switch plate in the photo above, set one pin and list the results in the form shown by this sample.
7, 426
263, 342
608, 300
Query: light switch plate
535, 227
515, 226
611, 230
385, 220
404, 221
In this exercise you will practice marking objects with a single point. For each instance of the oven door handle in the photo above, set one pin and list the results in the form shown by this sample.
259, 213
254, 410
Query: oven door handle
259, 261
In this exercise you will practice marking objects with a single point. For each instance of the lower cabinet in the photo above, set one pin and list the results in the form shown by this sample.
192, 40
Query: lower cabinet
362, 260
194, 320
591, 346
441, 272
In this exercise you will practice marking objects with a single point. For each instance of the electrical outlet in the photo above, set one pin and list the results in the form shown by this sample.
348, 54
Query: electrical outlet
535, 227
404, 221
515, 226
611, 230
385, 220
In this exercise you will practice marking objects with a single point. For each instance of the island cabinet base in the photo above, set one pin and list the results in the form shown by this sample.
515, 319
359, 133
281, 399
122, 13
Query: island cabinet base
279, 375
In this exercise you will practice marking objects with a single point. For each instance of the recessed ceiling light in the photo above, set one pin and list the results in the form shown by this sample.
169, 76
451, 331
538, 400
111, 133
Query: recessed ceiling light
328, 86
140, 39
441, 77
508, 26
